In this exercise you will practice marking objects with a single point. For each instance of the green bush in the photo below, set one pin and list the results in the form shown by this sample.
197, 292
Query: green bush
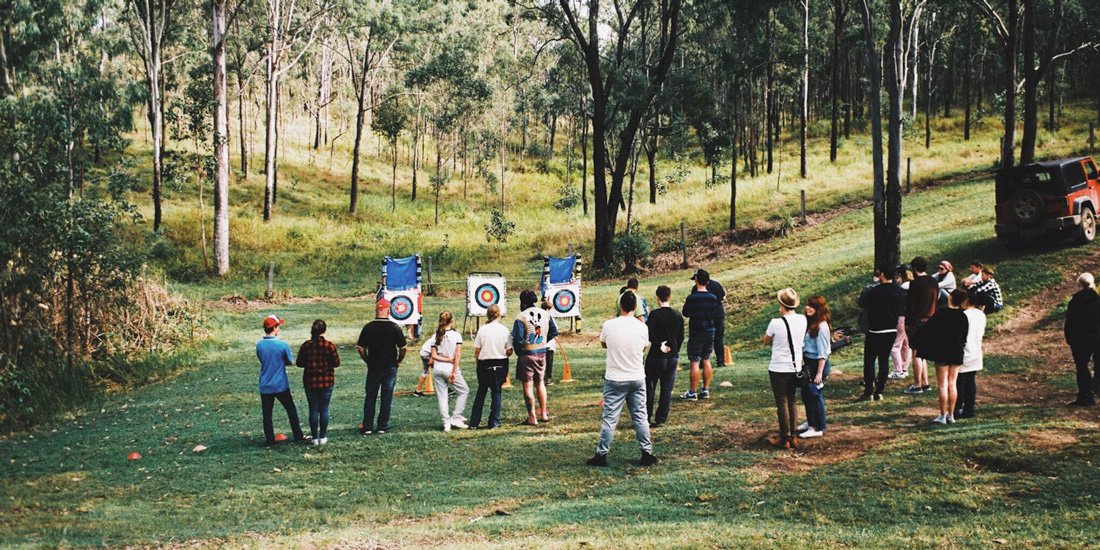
632, 247
499, 227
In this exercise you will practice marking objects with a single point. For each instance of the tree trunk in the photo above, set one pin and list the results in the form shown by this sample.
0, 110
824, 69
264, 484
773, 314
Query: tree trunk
393, 177
804, 111
891, 232
221, 143
1008, 142
320, 115
1031, 86
584, 163
651, 145
242, 136
769, 93
838, 29
968, 73
416, 147
271, 113
733, 168
928, 98
360, 114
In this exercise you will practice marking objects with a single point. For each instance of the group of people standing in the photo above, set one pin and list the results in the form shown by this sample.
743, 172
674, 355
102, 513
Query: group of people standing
914, 318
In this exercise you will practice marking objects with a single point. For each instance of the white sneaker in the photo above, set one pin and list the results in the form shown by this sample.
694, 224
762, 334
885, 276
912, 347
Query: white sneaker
446, 426
811, 433
459, 424
898, 375
803, 427
941, 419
950, 419
324, 441
316, 442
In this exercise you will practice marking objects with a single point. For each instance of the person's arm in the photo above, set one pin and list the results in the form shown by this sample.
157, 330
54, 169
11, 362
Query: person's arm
301, 352
603, 336
288, 357
401, 353
552, 332
455, 362
518, 331
437, 357
334, 355
768, 334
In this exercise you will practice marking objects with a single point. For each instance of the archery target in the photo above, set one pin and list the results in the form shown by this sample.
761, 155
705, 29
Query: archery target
482, 292
403, 306
565, 299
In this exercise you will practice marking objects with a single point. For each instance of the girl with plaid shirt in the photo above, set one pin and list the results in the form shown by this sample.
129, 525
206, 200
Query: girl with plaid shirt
319, 359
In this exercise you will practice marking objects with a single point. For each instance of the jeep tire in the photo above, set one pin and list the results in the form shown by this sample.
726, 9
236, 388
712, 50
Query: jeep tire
1026, 206
1086, 232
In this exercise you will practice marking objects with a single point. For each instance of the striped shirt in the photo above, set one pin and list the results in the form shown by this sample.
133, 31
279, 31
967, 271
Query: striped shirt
319, 359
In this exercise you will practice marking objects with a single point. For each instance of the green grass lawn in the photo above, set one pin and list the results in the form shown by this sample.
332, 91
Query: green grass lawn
883, 477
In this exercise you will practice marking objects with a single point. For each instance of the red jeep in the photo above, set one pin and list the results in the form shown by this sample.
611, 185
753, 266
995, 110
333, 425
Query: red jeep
1059, 196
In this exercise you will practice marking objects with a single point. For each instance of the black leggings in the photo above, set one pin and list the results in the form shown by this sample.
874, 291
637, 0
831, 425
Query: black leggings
967, 386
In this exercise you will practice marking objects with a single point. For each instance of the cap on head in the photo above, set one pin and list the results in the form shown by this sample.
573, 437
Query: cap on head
271, 321
701, 276
787, 297
382, 307
947, 265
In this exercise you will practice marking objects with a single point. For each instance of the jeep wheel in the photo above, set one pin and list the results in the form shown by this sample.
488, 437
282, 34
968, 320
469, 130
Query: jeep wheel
1027, 206
1086, 232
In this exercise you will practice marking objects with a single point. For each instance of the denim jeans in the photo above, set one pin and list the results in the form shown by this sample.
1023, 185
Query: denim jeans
615, 394
660, 370
442, 377
813, 397
490, 377
967, 386
318, 410
379, 380
267, 403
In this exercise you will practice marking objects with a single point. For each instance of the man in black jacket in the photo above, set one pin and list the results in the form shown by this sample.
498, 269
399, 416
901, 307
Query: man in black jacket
666, 335
1082, 331
881, 304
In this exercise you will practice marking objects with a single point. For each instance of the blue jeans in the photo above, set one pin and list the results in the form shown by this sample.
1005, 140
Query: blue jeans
379, 379
318, 411
490, 377
615, 394
813, 397
660, 370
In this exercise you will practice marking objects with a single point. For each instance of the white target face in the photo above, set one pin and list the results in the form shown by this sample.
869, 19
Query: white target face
484, 291
565, 299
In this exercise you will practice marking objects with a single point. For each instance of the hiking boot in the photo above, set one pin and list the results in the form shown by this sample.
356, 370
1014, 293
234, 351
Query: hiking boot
599, 461
647, 459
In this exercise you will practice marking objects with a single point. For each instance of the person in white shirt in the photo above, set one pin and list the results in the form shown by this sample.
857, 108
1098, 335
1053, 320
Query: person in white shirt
945, 279
492, 347
972, 356
624, 380
446, 355
785, 335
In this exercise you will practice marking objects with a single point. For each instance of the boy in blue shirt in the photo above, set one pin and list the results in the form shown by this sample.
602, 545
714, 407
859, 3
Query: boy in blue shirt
275, 356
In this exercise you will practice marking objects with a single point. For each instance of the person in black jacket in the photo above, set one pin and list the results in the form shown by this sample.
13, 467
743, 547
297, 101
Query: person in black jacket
881, 305
1082, 331
666, 335
943, 341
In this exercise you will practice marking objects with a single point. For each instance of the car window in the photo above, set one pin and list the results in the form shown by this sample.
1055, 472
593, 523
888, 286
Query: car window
1090, 170
1075, 175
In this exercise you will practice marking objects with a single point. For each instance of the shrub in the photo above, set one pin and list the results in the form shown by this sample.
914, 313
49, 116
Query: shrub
499, 227
568, 197
631, 247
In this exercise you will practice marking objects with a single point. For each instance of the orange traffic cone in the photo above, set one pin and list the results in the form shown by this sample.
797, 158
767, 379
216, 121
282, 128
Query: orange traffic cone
429, 389
728, 358
567, 376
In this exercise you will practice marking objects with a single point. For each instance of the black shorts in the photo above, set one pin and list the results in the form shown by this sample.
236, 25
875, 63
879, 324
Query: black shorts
700, 346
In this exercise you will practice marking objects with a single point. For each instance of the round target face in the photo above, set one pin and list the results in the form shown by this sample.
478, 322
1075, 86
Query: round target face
401, 308
486, 295
564, 300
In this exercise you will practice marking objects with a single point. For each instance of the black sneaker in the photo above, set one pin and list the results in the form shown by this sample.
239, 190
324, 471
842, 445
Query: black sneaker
599, 460
648, 459
864, 397
926, 387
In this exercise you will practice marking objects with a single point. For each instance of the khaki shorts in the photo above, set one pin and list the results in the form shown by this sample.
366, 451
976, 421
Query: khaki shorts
531, 368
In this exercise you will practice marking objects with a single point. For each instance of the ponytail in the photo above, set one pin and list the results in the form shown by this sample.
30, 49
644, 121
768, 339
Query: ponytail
445, 320
319, 327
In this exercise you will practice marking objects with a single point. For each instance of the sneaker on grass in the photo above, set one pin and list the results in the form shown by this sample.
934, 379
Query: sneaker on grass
811, 433
898, 375
914, 390
704, 393
599, 460
690, 396
803, 427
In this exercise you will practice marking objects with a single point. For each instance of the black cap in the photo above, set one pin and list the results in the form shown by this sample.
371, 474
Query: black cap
701, 276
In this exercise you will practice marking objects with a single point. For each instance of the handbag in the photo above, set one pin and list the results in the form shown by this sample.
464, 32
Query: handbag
800, 373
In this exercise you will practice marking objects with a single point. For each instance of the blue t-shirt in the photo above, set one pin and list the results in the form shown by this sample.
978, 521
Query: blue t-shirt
274, 356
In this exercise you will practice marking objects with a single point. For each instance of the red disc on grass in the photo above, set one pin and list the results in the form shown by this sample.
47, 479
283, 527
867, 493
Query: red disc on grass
134, 456
280, 437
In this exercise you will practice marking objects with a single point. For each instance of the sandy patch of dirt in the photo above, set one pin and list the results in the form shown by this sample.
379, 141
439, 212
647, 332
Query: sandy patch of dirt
1050, 440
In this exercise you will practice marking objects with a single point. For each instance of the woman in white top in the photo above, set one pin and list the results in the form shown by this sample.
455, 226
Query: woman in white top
785, 335
972, 356
492, 347
446, 355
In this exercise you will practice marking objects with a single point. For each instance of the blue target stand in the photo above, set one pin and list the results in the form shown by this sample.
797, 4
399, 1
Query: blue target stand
484, 289
561, 285
402, 286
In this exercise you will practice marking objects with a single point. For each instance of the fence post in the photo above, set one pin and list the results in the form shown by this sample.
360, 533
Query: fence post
908, 173
803, 201
270, 293
683, 245
431, 289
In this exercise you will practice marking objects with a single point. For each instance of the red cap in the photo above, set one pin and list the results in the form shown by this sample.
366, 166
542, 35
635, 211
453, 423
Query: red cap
272, 321
382, 305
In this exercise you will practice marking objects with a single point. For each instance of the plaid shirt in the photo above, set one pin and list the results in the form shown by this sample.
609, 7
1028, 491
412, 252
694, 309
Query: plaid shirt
993, 289
319, 359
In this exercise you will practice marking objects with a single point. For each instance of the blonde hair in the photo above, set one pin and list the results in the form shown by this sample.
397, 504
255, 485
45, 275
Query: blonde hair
445, 320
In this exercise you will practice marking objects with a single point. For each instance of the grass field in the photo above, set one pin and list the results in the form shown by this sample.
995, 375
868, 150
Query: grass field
1021, 475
